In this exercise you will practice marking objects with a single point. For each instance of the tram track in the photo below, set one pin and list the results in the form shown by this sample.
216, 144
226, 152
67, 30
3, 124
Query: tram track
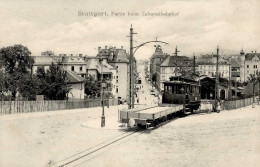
92, 152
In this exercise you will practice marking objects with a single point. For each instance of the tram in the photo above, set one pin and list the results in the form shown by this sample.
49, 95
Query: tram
181, 90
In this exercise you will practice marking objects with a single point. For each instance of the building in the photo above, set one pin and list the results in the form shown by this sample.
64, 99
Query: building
235, 69
207, 66
249, 64
157, 58
97, 67
119, 59
44, 60
74, 63
172, 66
76, 83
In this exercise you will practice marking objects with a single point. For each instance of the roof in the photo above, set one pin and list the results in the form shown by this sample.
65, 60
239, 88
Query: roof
72, 60
172, 61
234, 63
210, 60
73, 77
120, 56
94, 64
43, 60
250, 56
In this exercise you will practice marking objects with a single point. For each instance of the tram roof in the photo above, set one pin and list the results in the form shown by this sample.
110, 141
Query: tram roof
181, 82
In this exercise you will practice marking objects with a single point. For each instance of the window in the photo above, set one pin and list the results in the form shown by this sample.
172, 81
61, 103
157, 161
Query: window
80, 68
163, 70
247, 66
72, 68
116, 90
116, 81
163, 78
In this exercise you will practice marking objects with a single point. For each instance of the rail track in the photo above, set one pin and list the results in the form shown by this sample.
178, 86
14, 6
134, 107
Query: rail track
90, 153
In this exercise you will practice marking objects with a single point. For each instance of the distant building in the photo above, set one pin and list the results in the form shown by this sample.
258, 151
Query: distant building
75, 64
119, 59
96, 67
172, 66
207, 66
157, 58
249, 64
77, 86
235, 69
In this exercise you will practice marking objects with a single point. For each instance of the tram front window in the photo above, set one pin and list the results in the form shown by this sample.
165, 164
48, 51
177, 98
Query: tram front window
180, 89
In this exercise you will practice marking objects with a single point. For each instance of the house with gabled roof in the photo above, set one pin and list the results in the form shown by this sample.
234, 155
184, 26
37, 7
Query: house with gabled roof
157, 58
250, 64
118, 58
76, 83
207, 66
171, 66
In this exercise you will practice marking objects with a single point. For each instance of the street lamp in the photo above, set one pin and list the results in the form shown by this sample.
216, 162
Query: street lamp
103, 86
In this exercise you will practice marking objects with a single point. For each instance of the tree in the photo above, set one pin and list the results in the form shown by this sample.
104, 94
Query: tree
56, 83
253, 78
92, 87
154, 77
16, 64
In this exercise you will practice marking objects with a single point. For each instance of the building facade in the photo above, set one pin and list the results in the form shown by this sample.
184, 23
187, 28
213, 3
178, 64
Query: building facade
250, 64
119, 59
157, 58
207, 66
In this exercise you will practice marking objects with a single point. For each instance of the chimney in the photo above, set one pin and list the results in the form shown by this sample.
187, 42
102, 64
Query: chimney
80, 55
105, 47
122, 47
252, 51
255, 51
99, 49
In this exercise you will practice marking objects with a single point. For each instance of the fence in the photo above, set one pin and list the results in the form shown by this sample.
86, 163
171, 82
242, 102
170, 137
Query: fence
229, 105
207, 105
13, 107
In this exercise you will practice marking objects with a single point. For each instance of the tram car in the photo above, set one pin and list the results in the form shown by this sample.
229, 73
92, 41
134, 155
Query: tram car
181, 90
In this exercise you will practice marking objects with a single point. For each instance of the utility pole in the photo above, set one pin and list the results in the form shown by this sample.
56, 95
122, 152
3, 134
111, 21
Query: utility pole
131, 91
176, 54
229, 84
194, 64
217, 82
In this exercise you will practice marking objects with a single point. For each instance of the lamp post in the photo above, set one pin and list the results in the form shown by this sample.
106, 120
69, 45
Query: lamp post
103, 85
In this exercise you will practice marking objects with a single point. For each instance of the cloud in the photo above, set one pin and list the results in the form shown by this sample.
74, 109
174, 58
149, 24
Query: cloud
199, 27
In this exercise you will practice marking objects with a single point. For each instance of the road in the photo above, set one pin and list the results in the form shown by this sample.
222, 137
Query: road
144, 94
230, 138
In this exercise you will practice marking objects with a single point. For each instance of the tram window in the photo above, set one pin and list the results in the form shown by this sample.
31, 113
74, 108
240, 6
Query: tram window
170, 89
188, 89
165, 89
181, 89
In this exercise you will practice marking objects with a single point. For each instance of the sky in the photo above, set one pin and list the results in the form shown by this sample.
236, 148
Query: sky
197, 27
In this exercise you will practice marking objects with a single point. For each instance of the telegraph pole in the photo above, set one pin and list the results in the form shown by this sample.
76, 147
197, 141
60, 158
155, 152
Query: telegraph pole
131, 91
217, 82
194, 64
229, 84
176, 54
